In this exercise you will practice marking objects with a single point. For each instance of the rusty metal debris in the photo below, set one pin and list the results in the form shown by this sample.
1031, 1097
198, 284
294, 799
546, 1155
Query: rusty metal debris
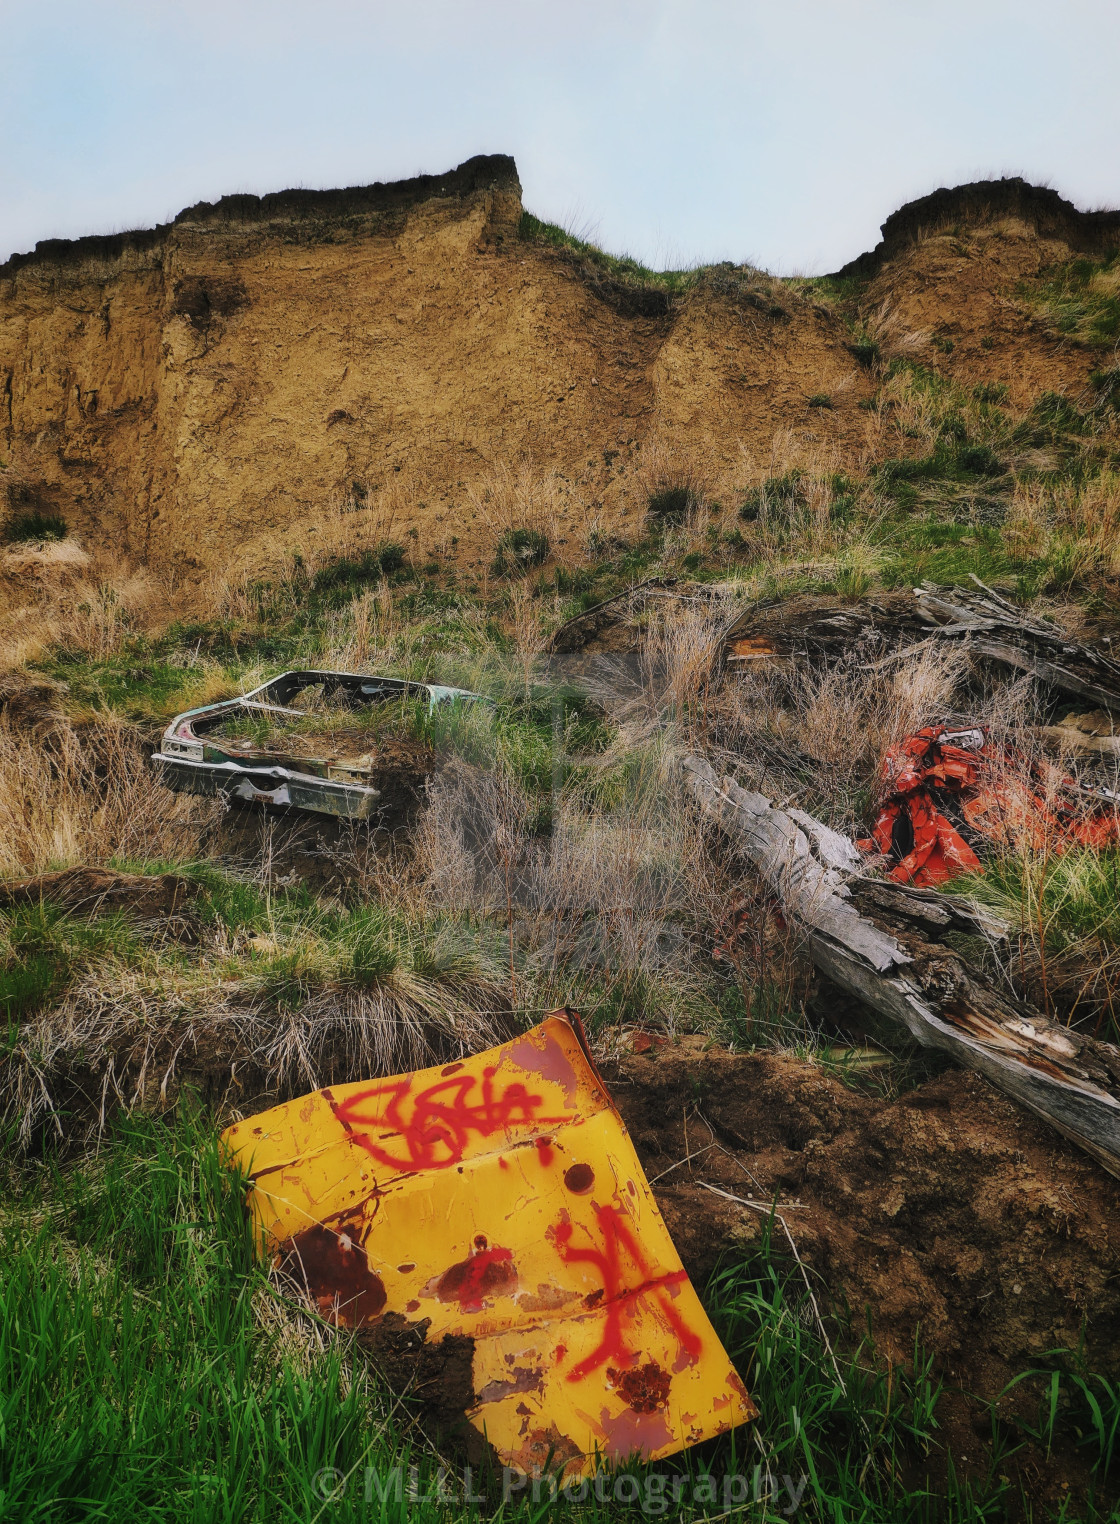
882, 941
194, 759
943, 786
500, 1199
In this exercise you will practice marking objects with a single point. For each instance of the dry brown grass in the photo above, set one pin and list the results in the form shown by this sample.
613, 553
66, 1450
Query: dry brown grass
520, 495
57, 595
84, 796
123, 1037
838, 721
680, 647
613, 904
906, 419
1078, 523
895, 337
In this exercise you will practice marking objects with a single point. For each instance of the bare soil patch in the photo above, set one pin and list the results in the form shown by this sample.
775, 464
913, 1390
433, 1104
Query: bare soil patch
948, 1215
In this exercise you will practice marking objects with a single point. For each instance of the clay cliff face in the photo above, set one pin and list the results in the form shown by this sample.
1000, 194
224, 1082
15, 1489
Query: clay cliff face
188, 395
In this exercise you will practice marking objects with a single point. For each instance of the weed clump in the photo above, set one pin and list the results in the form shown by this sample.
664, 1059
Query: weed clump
782, 492
33, 525
866, 351
351, 573
992, 392
671, 505
519, 550
1050, 421
980, 460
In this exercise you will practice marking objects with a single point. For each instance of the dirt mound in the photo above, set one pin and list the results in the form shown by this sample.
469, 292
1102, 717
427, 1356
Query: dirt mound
97, 890
949, 1214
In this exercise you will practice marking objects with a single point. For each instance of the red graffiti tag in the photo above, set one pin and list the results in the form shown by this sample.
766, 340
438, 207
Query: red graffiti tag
618, 1237
431, 1129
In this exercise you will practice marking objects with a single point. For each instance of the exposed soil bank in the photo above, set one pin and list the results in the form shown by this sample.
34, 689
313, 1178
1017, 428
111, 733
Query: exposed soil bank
206, 395
948, 1215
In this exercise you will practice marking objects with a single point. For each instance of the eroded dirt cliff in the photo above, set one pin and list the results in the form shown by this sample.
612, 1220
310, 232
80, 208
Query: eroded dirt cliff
190, 394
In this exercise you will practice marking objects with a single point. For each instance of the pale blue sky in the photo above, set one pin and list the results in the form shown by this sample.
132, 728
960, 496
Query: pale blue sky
780, 133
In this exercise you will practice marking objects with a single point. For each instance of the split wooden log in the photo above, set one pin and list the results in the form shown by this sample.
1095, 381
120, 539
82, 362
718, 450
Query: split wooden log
1003, 634
994, 629
878, 940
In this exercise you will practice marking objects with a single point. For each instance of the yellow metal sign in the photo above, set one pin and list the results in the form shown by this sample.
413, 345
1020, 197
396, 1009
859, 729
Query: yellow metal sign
501, 1198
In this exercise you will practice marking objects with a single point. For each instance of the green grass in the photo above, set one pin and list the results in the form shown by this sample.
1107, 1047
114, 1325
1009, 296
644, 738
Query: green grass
1080, 299
139, 682
629, 271
1052, 420
1106, 384
41, 948
930, 549
1073, 895
1065, 910
743, 285
144, 1370
149, 1371
866, 350
34, 525
348, 575
518, 550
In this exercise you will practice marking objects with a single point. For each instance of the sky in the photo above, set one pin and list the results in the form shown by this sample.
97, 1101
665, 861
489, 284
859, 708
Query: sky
673, 130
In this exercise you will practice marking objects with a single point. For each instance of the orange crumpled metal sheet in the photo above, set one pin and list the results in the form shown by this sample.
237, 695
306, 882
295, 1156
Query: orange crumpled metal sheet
500, 1197
997, 794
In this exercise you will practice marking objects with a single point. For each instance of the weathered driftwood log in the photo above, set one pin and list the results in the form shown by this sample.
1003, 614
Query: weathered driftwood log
994, 629
1003, 634
878, 940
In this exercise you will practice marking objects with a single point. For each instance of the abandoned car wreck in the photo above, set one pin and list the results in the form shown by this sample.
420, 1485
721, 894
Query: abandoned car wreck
205, 751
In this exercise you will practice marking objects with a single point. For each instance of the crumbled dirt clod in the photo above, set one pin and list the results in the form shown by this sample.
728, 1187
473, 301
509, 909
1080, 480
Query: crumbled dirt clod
97, 890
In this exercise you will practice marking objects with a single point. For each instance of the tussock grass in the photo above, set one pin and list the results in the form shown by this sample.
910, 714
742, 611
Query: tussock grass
1064, 908
283, 992
86, 796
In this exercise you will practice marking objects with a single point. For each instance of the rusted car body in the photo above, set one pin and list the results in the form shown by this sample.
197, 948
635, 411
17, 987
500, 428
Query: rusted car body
193, 759
500, 1199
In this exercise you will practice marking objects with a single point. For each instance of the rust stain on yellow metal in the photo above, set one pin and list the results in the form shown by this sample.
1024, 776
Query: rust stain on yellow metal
501, 1198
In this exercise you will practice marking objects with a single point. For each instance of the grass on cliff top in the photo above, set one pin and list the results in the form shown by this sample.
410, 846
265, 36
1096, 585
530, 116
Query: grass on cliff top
150, 1370
626, 274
